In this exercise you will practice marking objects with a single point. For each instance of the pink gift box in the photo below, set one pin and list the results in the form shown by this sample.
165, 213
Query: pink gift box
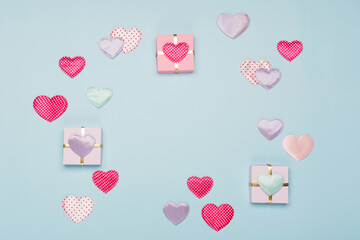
169, 52
82, 146
257, 195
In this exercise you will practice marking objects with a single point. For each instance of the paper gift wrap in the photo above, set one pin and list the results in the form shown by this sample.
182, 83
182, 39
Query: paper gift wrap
82, 146
269, 184
175, 53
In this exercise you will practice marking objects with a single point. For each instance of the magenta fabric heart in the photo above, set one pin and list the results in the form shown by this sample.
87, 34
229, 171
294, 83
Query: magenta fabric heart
233, 25
176, 52
111, 47
290, 50
81, 145
270, 128
267, 78
72, 66
176, 213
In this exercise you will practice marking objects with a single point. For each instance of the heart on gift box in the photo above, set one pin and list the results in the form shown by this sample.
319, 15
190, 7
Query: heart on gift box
200, 186
105, 181
268, 78
249, 67
111, 47
77, 209
298, 147
176, 213
176, 52
81, 145
233, 25
270, 128
72, 66
217, 217
290, 50
131, 37
270, 184
99, 96
50, 108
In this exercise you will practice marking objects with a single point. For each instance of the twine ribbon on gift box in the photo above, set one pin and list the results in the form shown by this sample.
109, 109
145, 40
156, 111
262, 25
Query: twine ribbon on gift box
82, 133
270, 173
176, 64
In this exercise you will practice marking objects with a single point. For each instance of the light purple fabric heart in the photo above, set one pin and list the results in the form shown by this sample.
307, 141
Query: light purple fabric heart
81, 145
270, 128
111, 47
268, 78
176, 213
233, 25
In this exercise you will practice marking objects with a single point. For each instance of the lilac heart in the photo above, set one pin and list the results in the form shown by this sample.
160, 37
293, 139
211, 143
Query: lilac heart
176, 213
268, 78
111, 46
233, 25
270, 128
81, 145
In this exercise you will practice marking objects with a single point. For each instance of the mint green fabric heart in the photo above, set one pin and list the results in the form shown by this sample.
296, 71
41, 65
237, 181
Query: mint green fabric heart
99, 96
270, 184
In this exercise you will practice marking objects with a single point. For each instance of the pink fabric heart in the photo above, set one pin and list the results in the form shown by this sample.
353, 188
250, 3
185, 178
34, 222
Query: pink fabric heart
217, 217
50, 108
298, 147
105, 181
72, 66
176, 52
290, 50
248, 69
131, 37
200, 186
77, 209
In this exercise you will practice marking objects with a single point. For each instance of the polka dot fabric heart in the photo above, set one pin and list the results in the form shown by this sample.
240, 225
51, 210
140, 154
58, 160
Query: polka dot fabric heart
50, 108
72, 66
77, 209
105, 181
248, 69
200, 186
217, 217
131, 37
290, 50
176, 52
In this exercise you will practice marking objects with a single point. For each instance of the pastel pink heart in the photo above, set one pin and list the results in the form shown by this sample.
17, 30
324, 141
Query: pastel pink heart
248, 69
290, 50
131, 37
77, 209
298, 147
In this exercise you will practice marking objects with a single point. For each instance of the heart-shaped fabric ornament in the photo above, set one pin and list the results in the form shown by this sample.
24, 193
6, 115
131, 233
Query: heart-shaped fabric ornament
217, 217
176, 213
99, 96
290, 50
105, 181
270, 128
72, 66
111, 47
176, 52
50, 108
200, 186
77, 209
249, 67
298, 147
270, 184
268, 78
233, 25
81, 145
131, 37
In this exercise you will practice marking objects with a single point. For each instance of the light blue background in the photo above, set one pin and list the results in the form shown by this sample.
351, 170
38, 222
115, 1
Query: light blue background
160, 129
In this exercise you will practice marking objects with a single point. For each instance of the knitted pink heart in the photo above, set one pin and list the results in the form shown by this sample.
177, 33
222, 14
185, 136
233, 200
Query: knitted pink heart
50, 108
200, 186
298, 147
290, 50
217, 217
248, 69
176, 52
72, 66
105, 181
77, 209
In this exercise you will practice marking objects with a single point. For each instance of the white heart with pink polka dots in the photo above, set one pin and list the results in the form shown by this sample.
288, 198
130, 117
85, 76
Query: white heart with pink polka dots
131, 37
248, 69
77, 209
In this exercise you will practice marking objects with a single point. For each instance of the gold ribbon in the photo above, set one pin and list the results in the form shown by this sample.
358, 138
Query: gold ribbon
82, 133
258, 185
176, 64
